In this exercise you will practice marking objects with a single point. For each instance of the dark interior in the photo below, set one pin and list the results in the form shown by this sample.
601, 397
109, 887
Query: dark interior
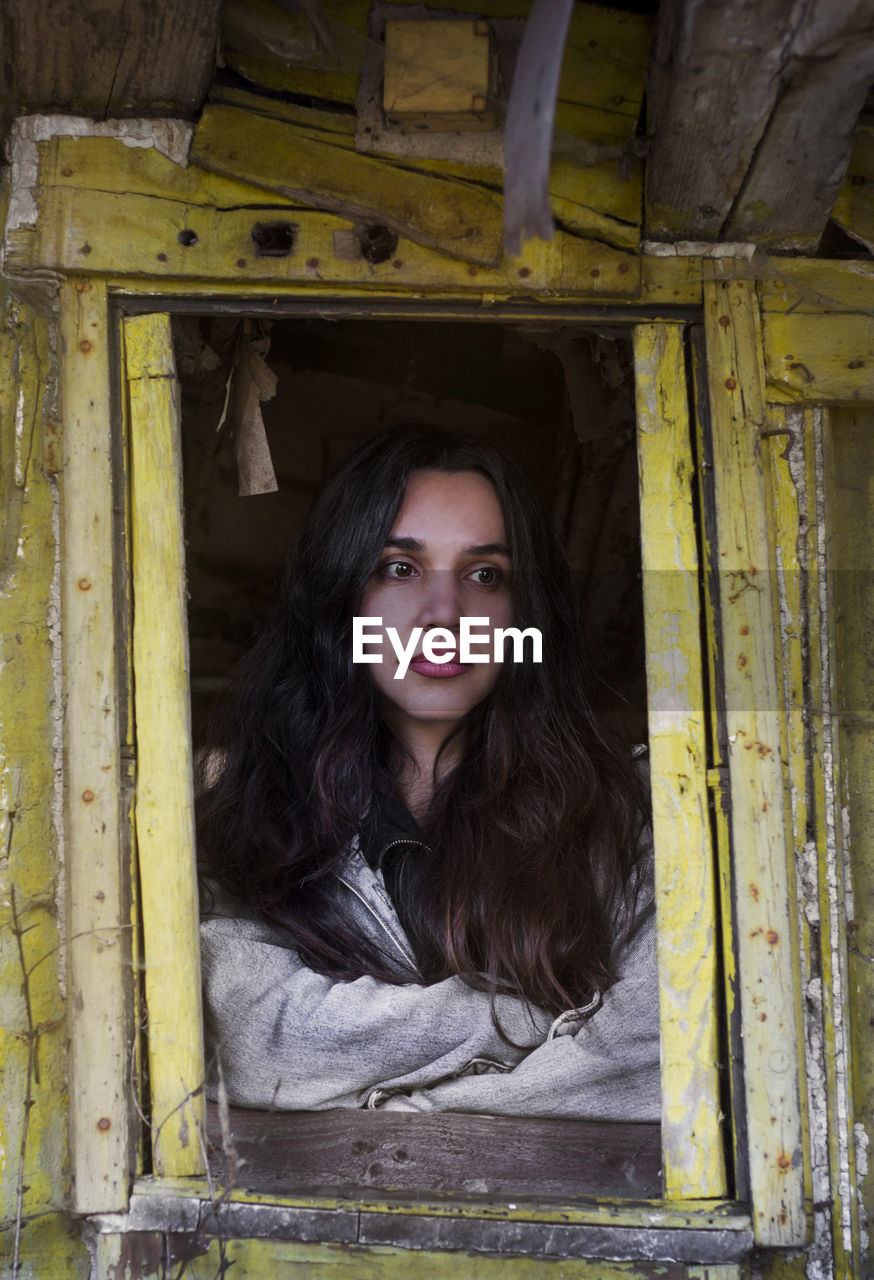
558, 397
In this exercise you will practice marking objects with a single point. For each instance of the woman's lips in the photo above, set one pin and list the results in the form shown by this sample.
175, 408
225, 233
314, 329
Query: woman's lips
436, 670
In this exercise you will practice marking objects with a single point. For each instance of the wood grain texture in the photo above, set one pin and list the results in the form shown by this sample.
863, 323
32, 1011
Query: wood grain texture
446, 1152
164, 799
819, 359
751, 111
685, 888
154, 234
96, 912
33, 1034
463, 221
90, 58
766, 926
852, 527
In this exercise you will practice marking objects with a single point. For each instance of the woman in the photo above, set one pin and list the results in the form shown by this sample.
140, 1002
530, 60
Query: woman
430, 892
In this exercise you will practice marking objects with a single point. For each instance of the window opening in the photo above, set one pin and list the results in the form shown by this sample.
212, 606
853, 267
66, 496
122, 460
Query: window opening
560, 400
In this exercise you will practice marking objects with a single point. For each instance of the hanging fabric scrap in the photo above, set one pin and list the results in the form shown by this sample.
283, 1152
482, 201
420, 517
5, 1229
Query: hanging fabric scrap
250, 381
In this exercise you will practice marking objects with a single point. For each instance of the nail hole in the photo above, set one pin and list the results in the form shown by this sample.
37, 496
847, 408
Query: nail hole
273, 239
378, 243
187, 237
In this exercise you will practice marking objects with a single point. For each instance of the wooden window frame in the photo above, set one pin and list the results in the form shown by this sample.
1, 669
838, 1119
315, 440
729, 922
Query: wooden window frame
742, 373
694, 1189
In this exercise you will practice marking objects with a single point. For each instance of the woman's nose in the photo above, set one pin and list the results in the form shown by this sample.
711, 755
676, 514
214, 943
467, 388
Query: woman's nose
441, 604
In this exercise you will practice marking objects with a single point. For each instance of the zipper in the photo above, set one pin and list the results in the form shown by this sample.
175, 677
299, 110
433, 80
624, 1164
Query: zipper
392, 844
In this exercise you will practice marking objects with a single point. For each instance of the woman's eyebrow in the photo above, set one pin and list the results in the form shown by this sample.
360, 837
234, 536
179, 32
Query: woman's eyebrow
481, 549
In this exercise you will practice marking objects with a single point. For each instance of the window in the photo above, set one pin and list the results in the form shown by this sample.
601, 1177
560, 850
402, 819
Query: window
685, 761
693, 1165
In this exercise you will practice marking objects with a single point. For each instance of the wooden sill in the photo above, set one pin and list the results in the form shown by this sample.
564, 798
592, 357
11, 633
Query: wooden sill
399, 1151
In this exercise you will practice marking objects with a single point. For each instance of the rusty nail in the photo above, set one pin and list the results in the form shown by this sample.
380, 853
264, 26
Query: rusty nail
398, 263
66, 173
84, 584
85, 250
100, 895
730, 384
594, 273
241, 262
524, 272
725, 321
783, 1160
84, 346
623, 268
88, 795
104, 1124
772, 937
312, 262
745, 631
83, 286
742, 660
162, 257
471, 271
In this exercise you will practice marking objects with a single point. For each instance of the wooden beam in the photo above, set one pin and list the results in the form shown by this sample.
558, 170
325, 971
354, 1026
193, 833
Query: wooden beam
90, 58
751, 113
763, 888
684, 872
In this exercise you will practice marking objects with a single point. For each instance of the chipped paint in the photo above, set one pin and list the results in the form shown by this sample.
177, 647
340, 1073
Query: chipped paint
835, 871
172, 138
730, 249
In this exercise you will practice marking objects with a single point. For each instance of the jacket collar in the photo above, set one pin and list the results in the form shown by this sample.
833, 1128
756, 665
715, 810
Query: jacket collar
388, 823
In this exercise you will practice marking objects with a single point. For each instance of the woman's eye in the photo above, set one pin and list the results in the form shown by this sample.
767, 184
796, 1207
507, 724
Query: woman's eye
397, 569
487, 576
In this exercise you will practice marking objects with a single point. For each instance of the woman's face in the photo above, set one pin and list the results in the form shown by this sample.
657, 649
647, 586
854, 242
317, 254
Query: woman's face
445, 558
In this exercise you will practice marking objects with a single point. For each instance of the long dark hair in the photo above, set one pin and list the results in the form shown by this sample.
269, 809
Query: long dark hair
533, 836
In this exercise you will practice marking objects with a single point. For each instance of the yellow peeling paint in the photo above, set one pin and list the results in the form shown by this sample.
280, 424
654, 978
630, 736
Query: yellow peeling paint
164, 238
165, 794
257, 1259
97, 916
34, 1173
763, 880
685, 894
819, 359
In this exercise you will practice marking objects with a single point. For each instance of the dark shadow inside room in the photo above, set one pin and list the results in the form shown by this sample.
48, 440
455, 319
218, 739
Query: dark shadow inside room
558, 398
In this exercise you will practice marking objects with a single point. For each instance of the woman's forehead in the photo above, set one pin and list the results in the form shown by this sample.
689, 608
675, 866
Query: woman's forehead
450, 503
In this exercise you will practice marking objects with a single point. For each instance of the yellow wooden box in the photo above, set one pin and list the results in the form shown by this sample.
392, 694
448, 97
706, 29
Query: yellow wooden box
439, 76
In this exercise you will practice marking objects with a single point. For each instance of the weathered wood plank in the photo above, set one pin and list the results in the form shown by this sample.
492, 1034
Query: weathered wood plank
460, 220
33, 1035
484, 1154
814, 286
729, 142
589, 199
765, 923
165, 798
819, 359
280, 50
685, 888
106, 165
605, 55
104, 60
852, 507
802, 158
96, 912
140, 236
253, 1259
